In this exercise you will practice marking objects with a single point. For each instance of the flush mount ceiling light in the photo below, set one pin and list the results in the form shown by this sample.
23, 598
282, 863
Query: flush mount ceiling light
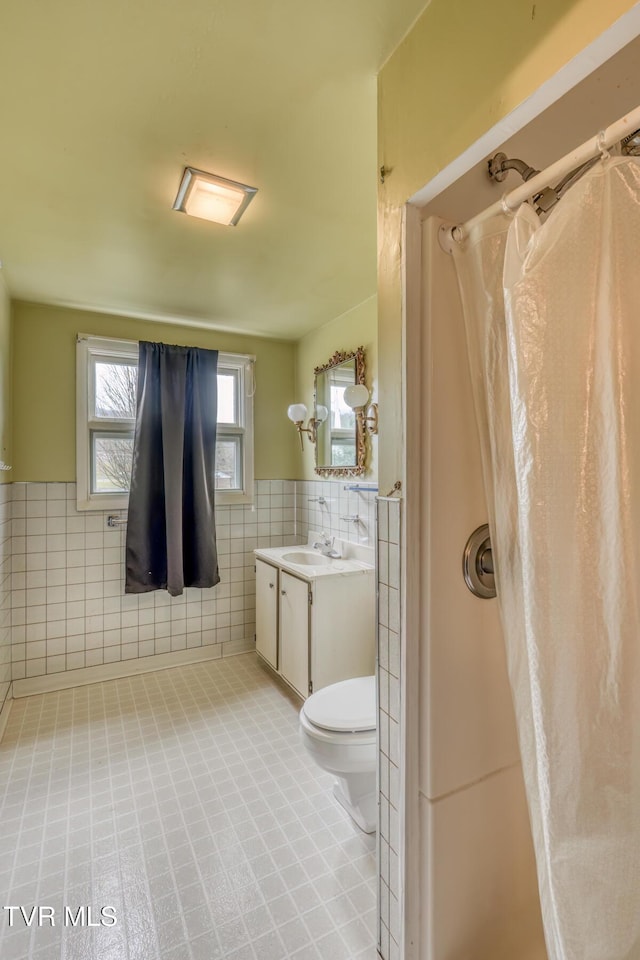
209, 197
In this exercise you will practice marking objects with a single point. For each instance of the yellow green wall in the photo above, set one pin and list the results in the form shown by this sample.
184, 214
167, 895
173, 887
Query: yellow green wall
44, 391
356, 328
463, 67
6, 453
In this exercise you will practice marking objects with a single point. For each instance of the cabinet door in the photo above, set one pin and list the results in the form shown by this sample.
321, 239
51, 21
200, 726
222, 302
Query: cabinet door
294, 632
267, 612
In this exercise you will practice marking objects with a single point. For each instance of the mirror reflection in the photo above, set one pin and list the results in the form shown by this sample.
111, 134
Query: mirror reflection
339, 446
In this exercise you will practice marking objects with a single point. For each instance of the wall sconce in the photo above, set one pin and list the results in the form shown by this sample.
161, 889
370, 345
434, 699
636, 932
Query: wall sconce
356, 396
297, 413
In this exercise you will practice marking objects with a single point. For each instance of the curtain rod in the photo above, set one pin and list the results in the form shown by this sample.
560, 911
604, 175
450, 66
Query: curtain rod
80, 337
590, 148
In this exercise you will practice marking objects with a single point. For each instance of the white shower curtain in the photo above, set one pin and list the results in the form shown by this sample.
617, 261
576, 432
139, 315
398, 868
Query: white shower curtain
553, 324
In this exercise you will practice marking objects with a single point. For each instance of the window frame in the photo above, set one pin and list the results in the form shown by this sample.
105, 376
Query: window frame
90, 349
242, 365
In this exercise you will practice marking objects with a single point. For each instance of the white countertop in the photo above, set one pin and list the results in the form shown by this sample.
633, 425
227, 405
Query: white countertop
325, 567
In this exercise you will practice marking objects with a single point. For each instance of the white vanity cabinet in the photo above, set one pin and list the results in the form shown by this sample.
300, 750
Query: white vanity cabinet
267, 590
314, 626
295, 597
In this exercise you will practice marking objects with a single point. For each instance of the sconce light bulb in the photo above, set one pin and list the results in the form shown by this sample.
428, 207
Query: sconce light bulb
356, 395
297, 412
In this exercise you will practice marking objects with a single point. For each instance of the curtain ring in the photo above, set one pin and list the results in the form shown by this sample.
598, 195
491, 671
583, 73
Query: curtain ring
602, 146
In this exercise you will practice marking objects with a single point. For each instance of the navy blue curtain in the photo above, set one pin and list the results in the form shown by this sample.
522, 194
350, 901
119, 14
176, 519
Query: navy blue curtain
171, 540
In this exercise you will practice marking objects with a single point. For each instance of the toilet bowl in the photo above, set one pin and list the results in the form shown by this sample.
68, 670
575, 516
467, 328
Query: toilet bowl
338, 729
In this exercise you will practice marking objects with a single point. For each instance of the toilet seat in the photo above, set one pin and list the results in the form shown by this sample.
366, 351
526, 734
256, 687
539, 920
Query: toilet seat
347, 707
333, 738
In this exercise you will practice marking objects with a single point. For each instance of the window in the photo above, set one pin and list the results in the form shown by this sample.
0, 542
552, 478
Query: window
107, 373
342, 419
234, 443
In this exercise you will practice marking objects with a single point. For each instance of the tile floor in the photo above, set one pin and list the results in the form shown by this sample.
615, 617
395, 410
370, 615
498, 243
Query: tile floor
183, 800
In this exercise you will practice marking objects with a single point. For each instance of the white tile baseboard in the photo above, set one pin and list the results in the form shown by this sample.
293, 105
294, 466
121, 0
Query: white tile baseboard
127, 668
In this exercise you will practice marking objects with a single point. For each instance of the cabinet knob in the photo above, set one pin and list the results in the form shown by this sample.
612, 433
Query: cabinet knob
271, 585
283, 592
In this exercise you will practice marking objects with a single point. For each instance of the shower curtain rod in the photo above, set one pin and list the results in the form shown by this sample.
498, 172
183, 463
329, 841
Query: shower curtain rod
590, 148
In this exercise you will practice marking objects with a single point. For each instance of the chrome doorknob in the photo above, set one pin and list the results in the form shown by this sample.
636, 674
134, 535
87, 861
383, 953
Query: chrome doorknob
477, 564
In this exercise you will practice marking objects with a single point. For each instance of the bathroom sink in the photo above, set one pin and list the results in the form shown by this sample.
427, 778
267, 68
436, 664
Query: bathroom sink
306, 558
309, 564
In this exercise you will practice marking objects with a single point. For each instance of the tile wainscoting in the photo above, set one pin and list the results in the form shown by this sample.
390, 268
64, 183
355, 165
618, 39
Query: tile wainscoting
389, 631
68, 606
322, 505
5, 598
63, 603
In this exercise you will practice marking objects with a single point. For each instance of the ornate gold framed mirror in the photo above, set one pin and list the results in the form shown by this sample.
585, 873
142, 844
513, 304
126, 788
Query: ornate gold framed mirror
340, 444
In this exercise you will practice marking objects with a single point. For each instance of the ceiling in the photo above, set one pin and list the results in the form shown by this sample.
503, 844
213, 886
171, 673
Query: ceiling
103, 104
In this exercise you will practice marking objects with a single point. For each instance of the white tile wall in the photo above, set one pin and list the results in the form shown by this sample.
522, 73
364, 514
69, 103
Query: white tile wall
389, 725
5, 591
68, 607
323, 504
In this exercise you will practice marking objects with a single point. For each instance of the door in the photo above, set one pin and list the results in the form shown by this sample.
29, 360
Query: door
267, 612
294, 632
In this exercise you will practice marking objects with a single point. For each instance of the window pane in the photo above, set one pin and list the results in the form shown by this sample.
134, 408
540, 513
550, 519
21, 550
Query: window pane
342, 416
343, 453
115, 389
111, 462
227, 412
228, 463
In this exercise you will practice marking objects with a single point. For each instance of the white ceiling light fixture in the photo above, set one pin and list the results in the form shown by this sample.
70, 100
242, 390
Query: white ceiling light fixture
210, 197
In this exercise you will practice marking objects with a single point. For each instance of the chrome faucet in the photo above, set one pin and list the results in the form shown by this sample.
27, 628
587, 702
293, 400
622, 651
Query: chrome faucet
326, 546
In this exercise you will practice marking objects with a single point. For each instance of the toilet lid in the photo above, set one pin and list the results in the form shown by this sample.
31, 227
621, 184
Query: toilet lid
346, 706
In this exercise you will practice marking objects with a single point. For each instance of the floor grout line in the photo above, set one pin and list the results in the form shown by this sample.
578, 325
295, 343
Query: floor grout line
187, 798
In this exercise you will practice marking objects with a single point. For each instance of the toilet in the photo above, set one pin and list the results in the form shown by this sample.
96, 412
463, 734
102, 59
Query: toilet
338, 729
